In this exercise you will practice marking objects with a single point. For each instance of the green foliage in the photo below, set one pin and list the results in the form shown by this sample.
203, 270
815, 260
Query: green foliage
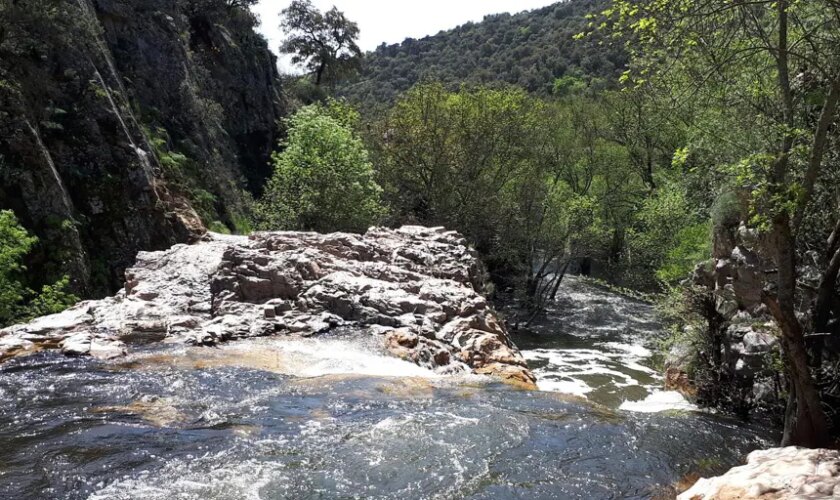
183, 174
668, 237
15, 243
757, 85
447, 156
17, 301
218, 227
172, 161
532, 183
241, 223
693, 245
323, 180
530, 50
685, 326
726, 210
568, 85
51, 299
324, 42
204, 203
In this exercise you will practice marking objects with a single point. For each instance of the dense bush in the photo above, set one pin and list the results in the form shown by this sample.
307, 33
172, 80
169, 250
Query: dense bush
323, 180
17, 301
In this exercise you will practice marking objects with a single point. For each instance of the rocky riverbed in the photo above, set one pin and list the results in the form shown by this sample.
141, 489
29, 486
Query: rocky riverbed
418, 290
354, 356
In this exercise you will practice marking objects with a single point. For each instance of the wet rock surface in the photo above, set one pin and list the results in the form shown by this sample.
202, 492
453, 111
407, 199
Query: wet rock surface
418, 289
774, 474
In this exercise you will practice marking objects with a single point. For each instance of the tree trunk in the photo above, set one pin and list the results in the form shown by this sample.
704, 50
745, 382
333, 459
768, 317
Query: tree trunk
319, 73
806, 424
828, 281
805, 420
560, 280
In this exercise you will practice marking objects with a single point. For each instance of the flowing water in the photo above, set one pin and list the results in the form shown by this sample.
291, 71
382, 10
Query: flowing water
600, 345
335, 418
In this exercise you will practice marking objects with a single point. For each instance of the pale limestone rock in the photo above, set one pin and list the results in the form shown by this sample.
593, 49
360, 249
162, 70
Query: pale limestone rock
781, 473
418, 289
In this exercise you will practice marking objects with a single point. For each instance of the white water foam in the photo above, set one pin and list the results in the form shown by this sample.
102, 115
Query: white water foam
195, 479
566, 366
567, 370
316, 358
306, 358
659, 401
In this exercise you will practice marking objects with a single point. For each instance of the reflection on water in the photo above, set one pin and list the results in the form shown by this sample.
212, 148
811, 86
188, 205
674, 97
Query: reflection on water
277, 419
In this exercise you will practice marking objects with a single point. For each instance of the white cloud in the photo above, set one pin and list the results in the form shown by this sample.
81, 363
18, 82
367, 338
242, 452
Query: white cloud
392, 21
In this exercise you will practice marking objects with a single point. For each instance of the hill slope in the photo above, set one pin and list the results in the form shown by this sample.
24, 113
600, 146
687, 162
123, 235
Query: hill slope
530, 49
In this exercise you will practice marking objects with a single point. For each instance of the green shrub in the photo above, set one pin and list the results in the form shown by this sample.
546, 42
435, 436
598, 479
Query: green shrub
726, 211
693, 245
15, 243
323, 181
17, 301
218, 227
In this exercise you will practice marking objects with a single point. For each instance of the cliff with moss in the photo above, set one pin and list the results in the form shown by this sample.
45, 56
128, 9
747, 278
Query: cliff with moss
130, 125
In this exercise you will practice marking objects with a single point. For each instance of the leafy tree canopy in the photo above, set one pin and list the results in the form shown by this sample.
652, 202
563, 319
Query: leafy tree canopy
324, 42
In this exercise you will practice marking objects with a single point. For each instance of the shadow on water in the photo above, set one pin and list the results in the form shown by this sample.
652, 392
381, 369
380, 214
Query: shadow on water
272, 420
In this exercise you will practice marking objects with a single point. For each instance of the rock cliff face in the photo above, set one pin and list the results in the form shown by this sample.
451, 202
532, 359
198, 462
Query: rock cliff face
417, 289
128, 125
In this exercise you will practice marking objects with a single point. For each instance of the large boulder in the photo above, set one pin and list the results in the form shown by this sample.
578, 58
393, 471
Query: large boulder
774, 474
418, 289
735, 279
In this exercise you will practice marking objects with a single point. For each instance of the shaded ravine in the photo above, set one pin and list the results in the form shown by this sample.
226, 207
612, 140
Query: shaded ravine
335, 418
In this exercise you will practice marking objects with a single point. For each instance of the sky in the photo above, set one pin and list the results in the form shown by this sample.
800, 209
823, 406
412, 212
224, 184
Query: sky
392, 21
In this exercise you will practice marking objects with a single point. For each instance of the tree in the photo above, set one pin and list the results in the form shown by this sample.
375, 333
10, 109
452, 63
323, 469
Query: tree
773, 67
324, 42
323, 180
447, 158
198, 6
532, 184
240, 4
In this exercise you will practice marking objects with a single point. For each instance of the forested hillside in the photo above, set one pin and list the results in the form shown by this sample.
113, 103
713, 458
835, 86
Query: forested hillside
534, 50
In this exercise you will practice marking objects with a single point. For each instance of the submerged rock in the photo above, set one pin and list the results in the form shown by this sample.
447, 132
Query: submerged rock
774, 474
418, 289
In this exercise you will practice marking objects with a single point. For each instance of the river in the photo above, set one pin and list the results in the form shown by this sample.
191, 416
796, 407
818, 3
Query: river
335, 418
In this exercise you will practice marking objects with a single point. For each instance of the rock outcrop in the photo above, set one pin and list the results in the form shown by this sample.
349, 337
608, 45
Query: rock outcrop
742, 340
418, 289
128, 125
775, 474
